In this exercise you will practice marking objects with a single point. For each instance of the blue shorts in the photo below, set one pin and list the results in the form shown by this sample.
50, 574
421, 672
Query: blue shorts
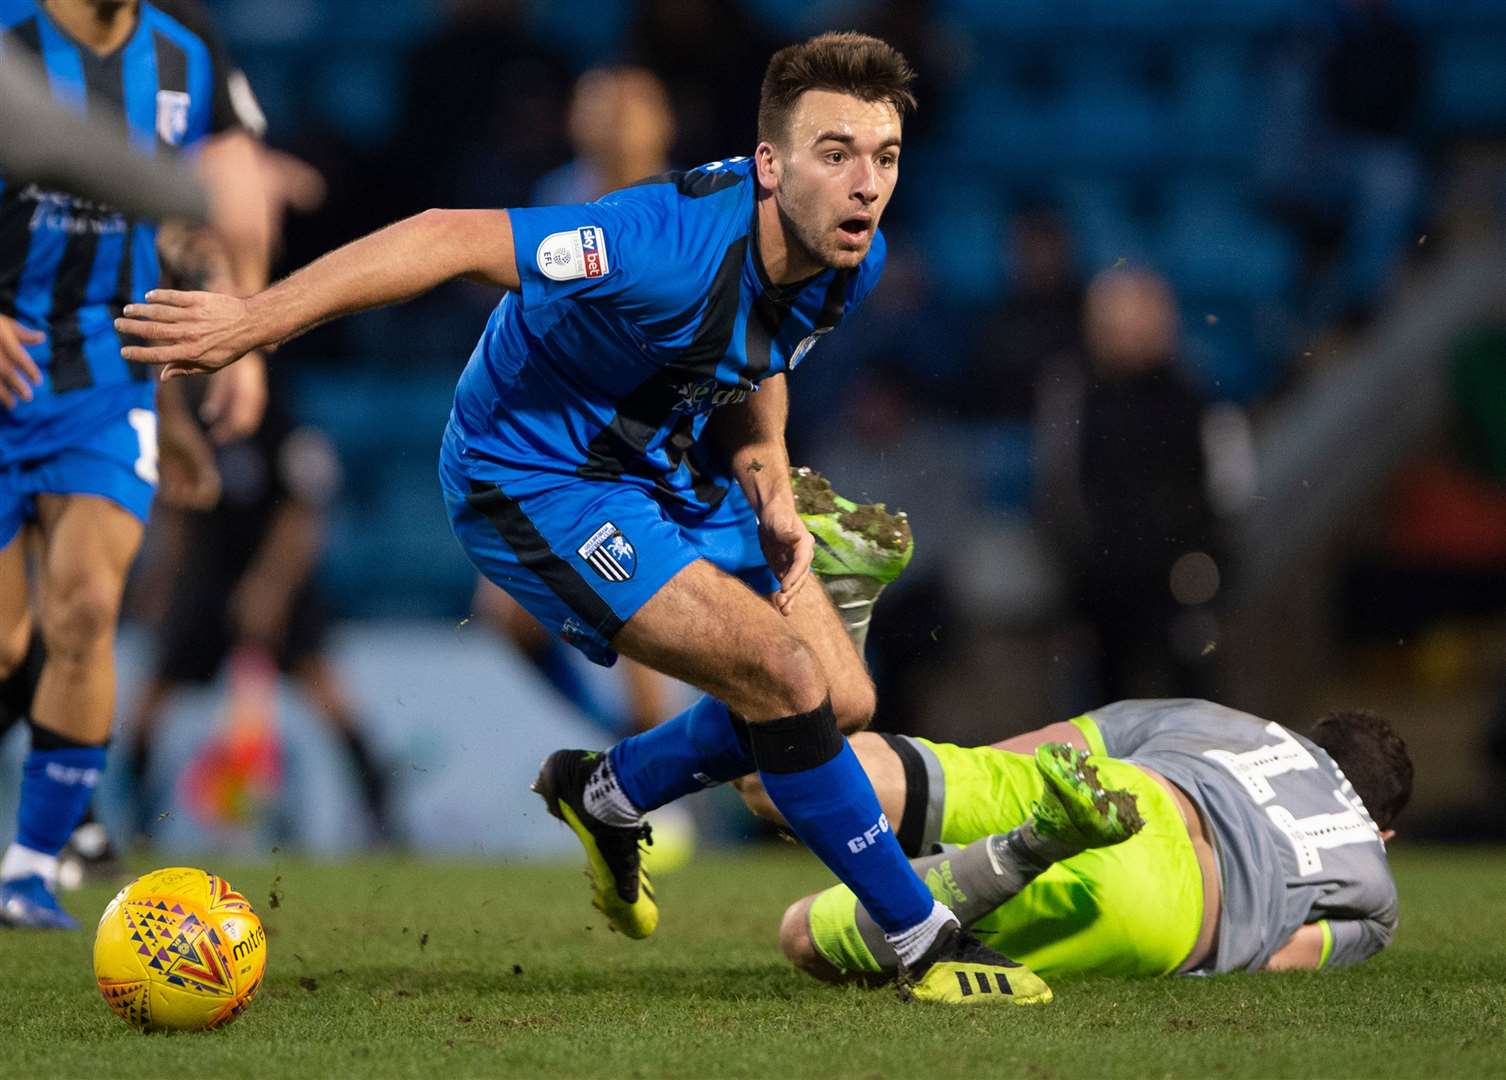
116, 461
584, 556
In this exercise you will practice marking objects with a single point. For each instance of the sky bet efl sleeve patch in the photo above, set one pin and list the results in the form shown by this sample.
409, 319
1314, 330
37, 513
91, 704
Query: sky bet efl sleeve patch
576, 253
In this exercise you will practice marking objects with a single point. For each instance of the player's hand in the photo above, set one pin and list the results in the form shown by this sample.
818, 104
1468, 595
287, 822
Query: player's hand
187, 332
18, 371
260, 608
189, 478
789, 547
236, 399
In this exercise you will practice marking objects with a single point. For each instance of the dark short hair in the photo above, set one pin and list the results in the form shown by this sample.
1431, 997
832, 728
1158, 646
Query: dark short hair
846, 62
1373, 757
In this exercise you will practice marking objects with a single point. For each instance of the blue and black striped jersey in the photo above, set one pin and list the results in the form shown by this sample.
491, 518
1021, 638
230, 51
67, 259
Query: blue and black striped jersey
639, 315
67, 264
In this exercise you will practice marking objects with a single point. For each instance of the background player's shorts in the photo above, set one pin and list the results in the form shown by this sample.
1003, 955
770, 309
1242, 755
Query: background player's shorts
1131, 909
197, 633
584, 556
116, 461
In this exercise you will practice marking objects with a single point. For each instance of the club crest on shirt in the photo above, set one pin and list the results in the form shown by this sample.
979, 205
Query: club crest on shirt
577, 253
172, 116
610, 553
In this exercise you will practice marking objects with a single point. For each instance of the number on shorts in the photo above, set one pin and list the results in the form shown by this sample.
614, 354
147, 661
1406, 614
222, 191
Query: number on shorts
145, 423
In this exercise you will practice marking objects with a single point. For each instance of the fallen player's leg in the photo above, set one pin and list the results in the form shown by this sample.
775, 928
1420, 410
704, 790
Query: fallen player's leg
1026, 883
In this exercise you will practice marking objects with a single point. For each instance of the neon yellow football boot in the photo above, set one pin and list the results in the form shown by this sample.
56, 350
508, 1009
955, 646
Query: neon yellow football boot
959, 969
620, 888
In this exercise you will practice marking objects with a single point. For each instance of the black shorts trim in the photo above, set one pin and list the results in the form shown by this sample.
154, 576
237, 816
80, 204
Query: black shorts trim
912, 824
519, 533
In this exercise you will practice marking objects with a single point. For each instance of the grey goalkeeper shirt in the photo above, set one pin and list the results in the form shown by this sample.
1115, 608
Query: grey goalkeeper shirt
1295, 845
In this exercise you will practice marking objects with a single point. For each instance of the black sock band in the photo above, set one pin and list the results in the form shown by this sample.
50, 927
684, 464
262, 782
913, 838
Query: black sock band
740, 729
797, 743
912, 823
47, 739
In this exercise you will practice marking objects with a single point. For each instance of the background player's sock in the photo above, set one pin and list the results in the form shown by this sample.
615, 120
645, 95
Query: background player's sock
143, 793
703, 745
370, 776
57, 782
19, 687
559, 670
814, 779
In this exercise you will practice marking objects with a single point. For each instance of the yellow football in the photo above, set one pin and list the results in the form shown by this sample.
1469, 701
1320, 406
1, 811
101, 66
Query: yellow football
179, 949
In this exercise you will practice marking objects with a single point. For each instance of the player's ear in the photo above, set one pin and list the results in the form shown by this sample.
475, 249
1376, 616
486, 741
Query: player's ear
769, 164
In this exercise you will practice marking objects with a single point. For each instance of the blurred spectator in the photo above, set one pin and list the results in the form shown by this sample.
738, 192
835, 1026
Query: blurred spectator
1036, 326
244, 585
1123, 493
621, 128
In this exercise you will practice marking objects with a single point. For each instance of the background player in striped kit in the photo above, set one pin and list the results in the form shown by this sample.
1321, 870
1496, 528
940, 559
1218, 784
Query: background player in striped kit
78, 429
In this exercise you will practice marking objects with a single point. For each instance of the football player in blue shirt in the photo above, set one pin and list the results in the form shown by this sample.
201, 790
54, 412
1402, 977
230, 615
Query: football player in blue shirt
78, 430
615, 460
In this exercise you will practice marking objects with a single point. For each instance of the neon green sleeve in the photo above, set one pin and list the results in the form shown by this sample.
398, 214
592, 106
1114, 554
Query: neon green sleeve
1089, 728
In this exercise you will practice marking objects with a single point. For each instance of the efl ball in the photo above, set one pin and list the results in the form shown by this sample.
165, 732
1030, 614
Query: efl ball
180, 950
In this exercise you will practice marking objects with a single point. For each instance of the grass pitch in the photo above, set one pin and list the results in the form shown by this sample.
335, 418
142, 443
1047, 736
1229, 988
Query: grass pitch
391, 968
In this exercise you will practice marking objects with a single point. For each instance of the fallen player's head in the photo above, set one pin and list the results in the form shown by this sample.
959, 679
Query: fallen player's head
829, 120
1372, 756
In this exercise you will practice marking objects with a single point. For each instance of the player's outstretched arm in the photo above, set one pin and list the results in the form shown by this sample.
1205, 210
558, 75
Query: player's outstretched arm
188, 332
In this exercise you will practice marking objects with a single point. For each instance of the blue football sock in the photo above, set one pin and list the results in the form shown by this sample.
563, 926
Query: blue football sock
56, 786
698, 748
814, 779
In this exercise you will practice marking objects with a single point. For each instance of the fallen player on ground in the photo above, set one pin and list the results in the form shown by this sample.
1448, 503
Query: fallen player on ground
1259, 848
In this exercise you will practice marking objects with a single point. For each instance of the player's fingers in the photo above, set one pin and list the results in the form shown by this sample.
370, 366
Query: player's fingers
5, 397
158, 312
13, 356
168, 352
27, 336
788, 590
149, 330
15, 384
174, 297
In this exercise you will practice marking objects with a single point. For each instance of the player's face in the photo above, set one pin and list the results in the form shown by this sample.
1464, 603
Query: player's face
835, 174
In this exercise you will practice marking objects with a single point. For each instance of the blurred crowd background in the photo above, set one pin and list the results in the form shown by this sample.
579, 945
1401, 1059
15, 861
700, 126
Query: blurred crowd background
1189, 367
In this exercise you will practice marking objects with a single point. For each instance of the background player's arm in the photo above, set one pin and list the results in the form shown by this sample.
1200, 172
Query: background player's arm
241, 222
189, 478
752, 435
199, 331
